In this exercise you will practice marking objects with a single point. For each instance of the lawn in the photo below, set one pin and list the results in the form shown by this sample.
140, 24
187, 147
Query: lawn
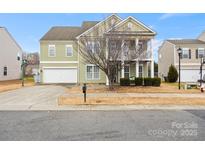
164, 88
15, 84
73, 97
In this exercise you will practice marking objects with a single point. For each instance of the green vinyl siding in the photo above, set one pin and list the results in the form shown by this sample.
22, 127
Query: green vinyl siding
60, 51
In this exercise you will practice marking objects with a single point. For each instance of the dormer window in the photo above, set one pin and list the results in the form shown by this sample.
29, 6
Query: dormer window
129, 25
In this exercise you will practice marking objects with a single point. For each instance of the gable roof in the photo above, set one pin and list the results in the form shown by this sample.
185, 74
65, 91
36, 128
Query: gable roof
67, 32
138, 22
186, 41
9, 34
98, 24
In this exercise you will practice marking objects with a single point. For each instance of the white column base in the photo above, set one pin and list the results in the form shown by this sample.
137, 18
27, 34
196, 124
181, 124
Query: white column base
107, 81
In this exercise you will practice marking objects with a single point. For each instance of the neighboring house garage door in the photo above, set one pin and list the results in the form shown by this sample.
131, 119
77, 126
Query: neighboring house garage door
60, 75
190, 75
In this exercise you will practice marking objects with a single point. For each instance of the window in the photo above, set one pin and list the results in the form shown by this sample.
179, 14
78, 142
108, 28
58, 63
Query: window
93, 47
5, 71
93, 72
140, 71
51, 51
113, 46
126, 71
185, 53
201, 52
69, 50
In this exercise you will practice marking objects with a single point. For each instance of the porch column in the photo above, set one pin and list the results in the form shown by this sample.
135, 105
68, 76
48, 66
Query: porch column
152, 68
137, 69
107, 81
152, 58
123, 70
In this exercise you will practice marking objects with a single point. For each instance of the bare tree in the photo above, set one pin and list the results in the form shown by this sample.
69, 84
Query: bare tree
110, 50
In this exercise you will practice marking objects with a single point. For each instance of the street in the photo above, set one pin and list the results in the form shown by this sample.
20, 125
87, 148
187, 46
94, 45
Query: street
103, 125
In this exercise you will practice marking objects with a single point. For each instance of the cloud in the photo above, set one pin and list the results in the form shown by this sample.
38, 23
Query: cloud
170, 15
167, 15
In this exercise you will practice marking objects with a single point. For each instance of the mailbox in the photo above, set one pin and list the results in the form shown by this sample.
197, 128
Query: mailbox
84, 88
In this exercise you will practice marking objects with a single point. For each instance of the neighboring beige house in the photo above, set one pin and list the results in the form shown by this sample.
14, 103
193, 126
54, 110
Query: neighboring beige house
10, 56
192, 51
60, 61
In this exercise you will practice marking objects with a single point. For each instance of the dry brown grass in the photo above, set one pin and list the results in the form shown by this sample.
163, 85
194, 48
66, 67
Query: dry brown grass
164, 88
131, 101
13, 84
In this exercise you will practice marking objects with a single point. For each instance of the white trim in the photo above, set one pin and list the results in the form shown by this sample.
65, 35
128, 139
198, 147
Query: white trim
58, 62
189, 64
86, 73
51, 45
135, 21
66, 46
98, 24
58, 67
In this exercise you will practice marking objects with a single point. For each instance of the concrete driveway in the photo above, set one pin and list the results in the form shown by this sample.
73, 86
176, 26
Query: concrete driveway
35, 97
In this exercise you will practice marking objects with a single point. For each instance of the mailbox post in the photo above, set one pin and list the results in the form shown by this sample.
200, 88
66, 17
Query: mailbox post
84, 88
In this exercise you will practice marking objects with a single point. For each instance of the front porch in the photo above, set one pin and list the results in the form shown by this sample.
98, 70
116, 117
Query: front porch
134, 69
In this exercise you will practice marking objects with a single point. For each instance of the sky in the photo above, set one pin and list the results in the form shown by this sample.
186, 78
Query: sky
27, 29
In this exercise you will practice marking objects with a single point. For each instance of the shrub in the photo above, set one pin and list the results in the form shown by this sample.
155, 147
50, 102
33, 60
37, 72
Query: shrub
138, 81
156, 82
124, 81
172, 74
147, 81
132, 80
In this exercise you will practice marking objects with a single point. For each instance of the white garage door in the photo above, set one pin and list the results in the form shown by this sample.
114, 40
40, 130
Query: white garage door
190, 75
60, 75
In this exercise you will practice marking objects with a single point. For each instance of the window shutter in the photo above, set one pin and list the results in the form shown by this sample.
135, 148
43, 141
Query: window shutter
189, 53
197, 54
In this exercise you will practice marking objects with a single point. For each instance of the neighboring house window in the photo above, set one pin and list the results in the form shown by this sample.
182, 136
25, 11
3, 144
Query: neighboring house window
5, 71
201, 52
93, 72
18, 57
51, 50
69, 50
185, 53
126, 71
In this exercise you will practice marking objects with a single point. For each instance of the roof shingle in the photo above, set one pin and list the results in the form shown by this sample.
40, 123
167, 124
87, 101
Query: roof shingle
67, 32
186, 41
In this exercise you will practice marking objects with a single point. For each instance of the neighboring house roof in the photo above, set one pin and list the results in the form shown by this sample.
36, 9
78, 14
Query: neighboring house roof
186, 41
67, 32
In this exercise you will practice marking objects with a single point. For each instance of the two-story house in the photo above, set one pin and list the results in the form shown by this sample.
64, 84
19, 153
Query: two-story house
61, 62
192, 52
10, 56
